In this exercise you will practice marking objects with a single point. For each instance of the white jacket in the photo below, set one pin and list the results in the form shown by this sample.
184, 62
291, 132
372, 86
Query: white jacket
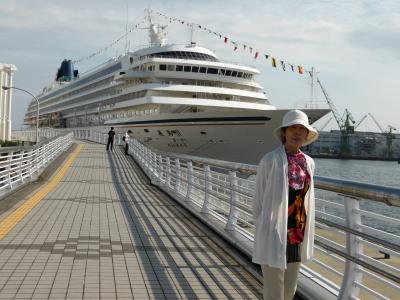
270, 211
127, 136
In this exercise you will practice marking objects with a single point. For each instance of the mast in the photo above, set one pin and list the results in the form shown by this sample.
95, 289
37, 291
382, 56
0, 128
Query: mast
156, 32
312, 85
313, 74
192, 43
126, 30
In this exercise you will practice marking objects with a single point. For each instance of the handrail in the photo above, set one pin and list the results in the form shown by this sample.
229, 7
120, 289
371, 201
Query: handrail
19, 165
387, 195
384, 194
353, 252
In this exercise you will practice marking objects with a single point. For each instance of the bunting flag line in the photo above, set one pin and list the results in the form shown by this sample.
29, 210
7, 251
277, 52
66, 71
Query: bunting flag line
273, 62
108, 46
235, 46
283, 63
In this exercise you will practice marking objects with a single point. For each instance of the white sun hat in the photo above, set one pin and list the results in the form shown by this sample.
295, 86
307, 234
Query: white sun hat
296, 117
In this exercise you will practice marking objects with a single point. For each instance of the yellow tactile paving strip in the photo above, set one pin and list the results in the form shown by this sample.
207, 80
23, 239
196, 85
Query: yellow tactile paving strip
12, 220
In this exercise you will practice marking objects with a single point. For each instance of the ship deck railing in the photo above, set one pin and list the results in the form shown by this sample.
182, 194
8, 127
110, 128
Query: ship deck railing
357, 241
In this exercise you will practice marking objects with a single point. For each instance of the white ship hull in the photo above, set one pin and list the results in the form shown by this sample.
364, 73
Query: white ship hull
240, 137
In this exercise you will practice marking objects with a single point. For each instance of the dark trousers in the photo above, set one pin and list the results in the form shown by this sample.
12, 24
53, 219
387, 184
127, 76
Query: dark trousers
126, 148
110, 144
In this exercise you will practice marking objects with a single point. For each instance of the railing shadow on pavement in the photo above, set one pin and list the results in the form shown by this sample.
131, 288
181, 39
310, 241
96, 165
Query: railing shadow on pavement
154, 218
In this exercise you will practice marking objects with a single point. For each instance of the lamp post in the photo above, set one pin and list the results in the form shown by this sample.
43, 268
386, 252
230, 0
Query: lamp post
37, 109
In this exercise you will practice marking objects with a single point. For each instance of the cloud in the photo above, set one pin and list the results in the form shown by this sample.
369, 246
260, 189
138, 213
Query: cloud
373, 38
354, 44
42, 15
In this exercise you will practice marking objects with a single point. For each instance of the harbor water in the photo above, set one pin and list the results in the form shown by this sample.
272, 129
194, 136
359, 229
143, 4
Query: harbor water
368, 171
386, 173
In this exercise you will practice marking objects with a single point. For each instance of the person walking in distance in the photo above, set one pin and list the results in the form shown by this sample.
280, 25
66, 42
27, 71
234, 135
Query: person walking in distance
126, 140
284, 209
110, 141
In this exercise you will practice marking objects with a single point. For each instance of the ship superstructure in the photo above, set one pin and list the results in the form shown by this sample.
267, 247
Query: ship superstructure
179, 98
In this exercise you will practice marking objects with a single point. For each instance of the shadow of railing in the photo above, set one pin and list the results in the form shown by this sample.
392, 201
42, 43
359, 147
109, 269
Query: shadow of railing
158, 223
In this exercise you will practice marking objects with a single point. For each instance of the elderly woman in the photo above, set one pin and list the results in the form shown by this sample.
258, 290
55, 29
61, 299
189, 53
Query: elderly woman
283, 207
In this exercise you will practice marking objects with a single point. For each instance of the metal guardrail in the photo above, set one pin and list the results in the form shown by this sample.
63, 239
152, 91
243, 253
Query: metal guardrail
347, 238
221, 190
19, 164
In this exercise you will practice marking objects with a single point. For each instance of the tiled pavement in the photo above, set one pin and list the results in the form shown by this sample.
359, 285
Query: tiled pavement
105, 233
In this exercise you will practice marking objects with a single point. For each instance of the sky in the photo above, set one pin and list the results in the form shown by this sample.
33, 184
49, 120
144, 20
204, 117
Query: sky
354, 45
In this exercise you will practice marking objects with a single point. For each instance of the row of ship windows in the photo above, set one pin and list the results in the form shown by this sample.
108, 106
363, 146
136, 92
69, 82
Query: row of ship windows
106, 116
195, 69
76, 92
179, 55
205, 70
81, 98
112, 100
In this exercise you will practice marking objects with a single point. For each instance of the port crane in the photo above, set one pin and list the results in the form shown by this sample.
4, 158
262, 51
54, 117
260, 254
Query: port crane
360, 121
345, 122
325, 124
389, 135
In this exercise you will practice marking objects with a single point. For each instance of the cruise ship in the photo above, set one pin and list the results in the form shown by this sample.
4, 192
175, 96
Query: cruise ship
176, 98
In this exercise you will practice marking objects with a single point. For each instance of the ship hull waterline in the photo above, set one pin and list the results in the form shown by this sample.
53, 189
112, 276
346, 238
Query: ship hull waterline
243, 138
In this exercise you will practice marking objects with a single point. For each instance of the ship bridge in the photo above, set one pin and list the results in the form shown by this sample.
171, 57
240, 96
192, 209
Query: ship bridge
80, 222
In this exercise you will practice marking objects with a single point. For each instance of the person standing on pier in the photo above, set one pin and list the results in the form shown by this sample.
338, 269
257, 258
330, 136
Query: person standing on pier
126, 140
284, 209
110, 141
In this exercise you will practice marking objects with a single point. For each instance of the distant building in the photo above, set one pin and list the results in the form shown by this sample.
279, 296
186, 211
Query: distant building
360, 144
6, 74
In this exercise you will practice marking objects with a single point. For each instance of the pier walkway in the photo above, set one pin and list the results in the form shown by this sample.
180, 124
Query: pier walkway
82, 222
97, 229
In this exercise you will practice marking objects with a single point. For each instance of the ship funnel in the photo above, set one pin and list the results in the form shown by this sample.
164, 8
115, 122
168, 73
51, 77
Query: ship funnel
66, 72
